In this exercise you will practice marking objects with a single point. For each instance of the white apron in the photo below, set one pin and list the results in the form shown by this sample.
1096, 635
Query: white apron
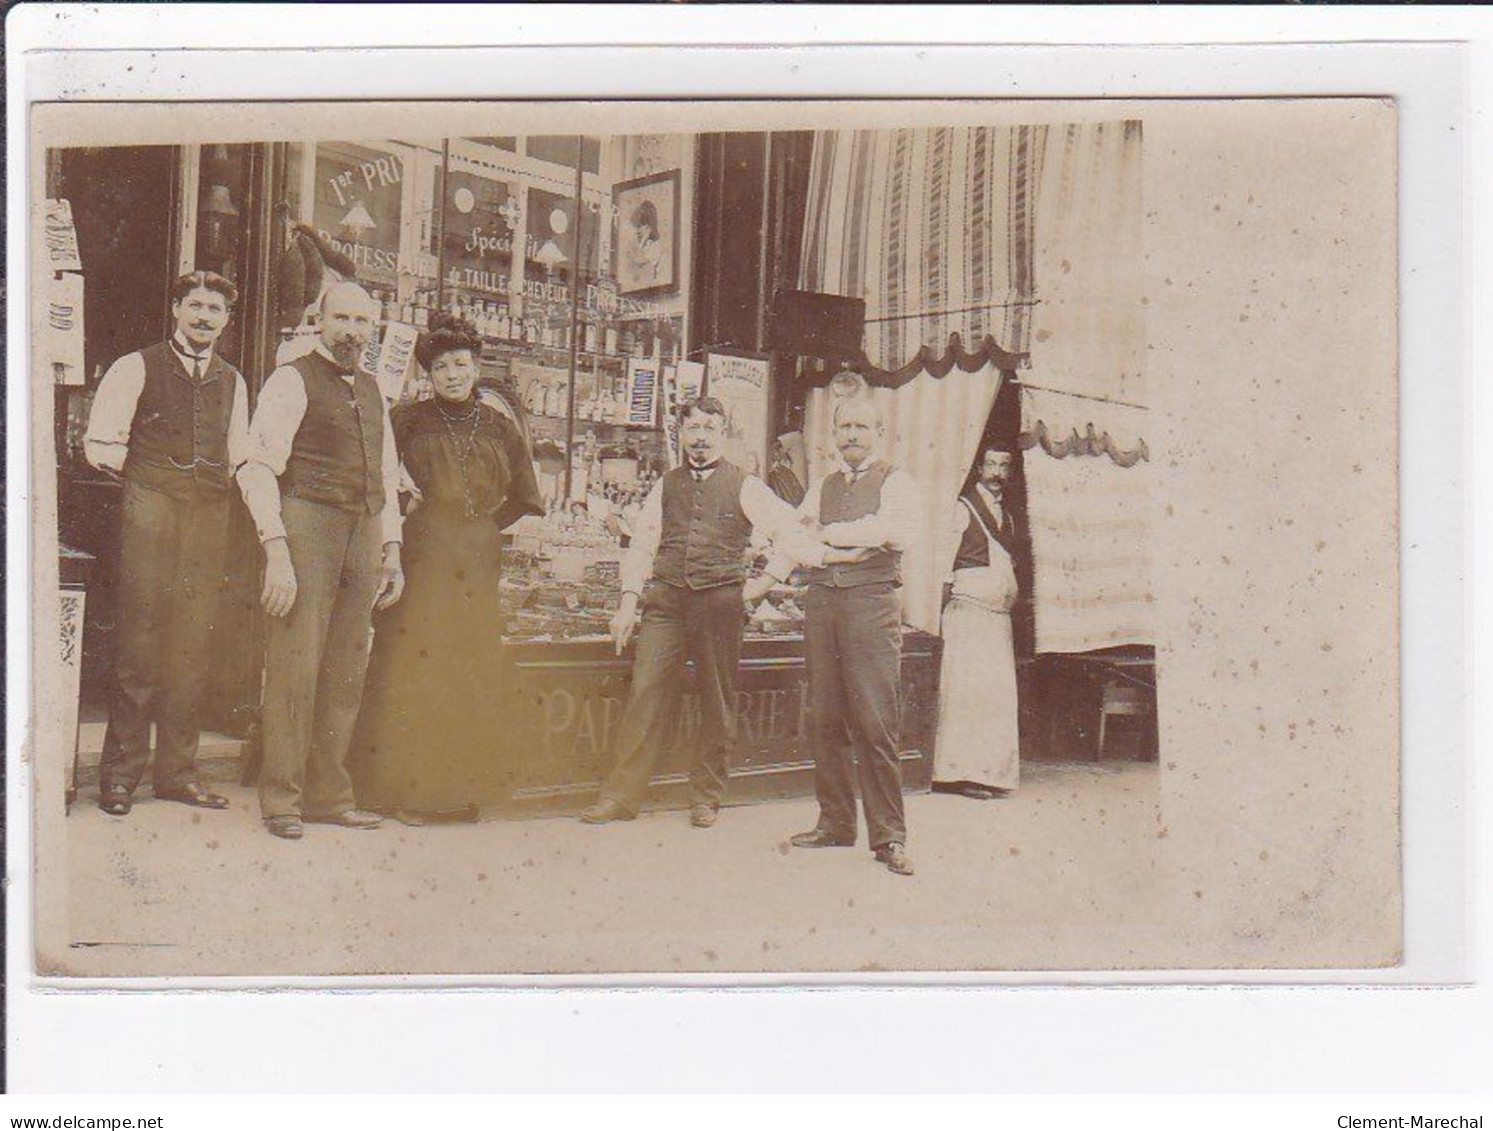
977, 720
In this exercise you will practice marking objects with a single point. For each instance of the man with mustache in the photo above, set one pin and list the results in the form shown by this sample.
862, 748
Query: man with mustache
172, 420
853, 638
978, 755
321, 479
687, 565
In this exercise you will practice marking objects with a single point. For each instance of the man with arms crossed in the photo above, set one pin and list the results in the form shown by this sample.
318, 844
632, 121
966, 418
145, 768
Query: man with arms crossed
853, 639
172, 419
321, 479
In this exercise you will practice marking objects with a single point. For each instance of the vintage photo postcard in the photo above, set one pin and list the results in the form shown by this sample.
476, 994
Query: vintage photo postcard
659, 540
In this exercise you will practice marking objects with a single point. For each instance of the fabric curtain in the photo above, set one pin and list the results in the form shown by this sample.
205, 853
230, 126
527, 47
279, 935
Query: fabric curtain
1090, 523
934, 228
932, 427
1088, 330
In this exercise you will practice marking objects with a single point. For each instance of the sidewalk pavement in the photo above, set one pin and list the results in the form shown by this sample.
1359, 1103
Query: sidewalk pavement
1036, 880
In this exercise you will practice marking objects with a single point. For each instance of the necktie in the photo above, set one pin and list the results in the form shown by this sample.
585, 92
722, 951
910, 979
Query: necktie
197, 368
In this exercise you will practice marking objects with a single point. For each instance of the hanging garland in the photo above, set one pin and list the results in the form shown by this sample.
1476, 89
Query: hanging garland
1090, 443
954, 357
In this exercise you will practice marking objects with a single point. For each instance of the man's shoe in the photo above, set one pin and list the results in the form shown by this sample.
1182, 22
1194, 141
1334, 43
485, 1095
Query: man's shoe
193, 794
116, 800
348, 819
820, 838
287, 828
605, 812
893, 856
703, 816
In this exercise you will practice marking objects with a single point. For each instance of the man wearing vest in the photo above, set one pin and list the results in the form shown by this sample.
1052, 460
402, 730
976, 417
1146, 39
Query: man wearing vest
321, 479
172, 419
687, 565
978, 753
853, 639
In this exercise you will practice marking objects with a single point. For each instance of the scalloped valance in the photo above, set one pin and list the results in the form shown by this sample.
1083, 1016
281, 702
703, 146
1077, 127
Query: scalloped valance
1090, 443
987, 353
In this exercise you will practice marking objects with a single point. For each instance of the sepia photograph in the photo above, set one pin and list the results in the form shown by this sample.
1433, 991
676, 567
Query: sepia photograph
730, 540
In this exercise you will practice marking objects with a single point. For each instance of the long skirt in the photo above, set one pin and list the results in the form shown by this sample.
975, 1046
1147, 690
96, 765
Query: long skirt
430, 736
977, 719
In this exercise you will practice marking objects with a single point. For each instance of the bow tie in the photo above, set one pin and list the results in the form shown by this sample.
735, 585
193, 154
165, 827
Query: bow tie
700, 470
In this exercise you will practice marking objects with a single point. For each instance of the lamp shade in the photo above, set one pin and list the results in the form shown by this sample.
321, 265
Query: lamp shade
219, 201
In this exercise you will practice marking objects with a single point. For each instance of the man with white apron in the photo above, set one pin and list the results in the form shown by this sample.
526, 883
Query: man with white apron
977, 752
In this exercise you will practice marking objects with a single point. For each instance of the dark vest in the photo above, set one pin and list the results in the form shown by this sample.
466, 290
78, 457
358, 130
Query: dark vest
705, 533
337, 457
974, 547
843, 501
179, 434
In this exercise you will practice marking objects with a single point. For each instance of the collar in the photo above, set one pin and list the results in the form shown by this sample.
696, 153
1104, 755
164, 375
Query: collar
184, 349
990, 498
853, 474
702, 471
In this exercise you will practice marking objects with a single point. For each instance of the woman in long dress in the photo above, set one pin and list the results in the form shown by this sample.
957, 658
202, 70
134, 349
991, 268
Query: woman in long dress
429, 743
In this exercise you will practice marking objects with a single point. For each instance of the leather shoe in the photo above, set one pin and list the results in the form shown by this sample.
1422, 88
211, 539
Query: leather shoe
193, 794
116, 800
973, 790
605, 812
703, 816
893, 856
287, 827
820, 838
347, 819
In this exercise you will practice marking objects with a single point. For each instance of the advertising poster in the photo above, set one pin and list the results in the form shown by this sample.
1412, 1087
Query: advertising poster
740, 383
60, 236
642, 392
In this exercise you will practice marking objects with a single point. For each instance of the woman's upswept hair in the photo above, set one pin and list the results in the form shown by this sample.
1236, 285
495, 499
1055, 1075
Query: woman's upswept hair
447, 333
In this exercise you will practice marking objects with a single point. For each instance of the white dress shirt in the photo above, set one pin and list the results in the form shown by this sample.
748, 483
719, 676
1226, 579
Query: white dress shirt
768, 514
277, 418
893, 526
107, 441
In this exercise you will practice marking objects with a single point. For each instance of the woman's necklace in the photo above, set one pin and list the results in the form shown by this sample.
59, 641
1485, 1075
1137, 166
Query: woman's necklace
464, 447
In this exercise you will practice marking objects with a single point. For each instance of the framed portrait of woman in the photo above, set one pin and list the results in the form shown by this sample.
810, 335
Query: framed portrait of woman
648, 234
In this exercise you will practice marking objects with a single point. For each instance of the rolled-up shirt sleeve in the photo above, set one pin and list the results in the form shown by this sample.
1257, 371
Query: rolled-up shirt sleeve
238, 424
782, 561
784, 528
106, 443
953, 534
282, 405
637, 563
892, 525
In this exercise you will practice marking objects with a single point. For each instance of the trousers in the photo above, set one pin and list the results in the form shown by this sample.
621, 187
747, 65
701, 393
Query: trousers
316, 658
170, 579
853, 648
703, 626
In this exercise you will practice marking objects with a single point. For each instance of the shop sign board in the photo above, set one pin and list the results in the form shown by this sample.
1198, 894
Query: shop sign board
479, 225
357, 208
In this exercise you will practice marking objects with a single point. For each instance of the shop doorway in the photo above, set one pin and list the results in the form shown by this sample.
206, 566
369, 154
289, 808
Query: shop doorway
123, 203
